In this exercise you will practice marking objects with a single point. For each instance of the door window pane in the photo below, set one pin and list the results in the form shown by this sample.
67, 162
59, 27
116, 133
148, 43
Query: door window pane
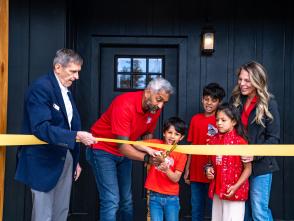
123, 81
134, 72
139, 65
123, 64
139, 81
155, 65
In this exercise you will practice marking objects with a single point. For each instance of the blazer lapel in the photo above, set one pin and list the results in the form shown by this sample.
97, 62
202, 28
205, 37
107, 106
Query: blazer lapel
252, 116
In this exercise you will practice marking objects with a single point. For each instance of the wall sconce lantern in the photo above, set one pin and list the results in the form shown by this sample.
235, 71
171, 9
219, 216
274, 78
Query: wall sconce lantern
207, 41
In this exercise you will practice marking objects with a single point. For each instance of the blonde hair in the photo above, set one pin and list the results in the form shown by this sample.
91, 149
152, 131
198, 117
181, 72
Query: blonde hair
258, 78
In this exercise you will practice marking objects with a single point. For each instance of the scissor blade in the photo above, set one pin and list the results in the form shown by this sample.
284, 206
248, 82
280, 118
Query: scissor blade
171, 149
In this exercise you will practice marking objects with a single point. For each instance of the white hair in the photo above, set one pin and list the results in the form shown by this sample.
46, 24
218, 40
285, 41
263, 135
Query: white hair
160, 84
65, 56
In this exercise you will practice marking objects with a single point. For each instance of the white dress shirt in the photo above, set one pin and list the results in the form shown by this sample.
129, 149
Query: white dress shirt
66, 101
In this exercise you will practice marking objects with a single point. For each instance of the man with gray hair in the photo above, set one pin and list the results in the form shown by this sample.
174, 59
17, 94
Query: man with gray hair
51, 115
129, 117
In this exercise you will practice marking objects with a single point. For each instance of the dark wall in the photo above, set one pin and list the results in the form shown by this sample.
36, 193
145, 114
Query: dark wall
244, 31
37, 30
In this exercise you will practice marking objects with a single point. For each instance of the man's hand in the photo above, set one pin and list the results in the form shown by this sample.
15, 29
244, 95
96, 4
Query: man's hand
86, 138
77, 172
153, 152
157, 160
246, 159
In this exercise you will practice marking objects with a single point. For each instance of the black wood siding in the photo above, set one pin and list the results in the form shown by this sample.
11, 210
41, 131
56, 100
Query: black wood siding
245, 30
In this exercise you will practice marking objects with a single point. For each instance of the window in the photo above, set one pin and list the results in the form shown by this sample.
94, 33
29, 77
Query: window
135, 72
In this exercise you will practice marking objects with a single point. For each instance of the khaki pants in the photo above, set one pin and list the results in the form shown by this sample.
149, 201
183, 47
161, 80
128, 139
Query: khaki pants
54, 205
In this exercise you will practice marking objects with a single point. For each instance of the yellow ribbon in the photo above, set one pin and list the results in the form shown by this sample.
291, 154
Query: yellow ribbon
244, 150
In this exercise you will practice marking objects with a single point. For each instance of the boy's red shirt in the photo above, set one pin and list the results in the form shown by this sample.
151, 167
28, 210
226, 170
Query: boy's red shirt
198, 135
158, 181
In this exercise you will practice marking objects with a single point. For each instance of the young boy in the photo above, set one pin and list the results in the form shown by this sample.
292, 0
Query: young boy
201, 127
162, 181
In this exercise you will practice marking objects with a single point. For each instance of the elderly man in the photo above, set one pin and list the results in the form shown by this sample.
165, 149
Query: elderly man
130, 116
51, 115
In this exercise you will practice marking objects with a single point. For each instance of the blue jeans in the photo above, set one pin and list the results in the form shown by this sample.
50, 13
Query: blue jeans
199, 194
164, 205
113, 179
257, 205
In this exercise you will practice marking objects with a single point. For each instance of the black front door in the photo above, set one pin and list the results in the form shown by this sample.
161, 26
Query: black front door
110, 87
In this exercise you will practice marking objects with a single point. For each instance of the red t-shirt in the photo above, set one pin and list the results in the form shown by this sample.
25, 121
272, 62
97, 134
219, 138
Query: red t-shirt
246, 113
198, 134
124, 117
158, 181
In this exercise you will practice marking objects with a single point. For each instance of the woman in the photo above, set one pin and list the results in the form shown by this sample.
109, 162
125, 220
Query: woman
260, 116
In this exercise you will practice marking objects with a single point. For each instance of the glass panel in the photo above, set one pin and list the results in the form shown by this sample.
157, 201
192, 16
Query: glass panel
152, 76
139, 65
155, 65
124, 65
123, 81
139, 81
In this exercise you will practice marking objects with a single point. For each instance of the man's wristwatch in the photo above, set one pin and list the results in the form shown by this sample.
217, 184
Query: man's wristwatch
146, 158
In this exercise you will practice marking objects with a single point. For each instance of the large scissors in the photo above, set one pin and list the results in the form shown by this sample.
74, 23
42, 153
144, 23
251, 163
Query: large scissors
167, 153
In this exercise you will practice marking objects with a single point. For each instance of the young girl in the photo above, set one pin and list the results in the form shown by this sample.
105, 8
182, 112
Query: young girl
229, 186
162, 181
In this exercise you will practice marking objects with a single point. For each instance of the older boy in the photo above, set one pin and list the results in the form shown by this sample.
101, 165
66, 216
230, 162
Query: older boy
201, 127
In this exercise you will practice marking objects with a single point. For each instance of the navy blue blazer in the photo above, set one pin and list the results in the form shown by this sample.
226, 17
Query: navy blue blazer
40, 166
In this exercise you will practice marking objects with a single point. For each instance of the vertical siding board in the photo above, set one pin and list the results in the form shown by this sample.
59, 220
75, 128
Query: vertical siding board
273, 60
288, 129
243, 51
217, 63
17, 84
45, 20
231, 57
193, 76
35, 34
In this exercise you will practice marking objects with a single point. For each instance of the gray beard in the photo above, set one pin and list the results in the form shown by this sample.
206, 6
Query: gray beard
153, 110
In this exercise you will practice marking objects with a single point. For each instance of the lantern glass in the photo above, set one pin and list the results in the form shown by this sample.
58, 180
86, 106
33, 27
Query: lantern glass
207, 43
